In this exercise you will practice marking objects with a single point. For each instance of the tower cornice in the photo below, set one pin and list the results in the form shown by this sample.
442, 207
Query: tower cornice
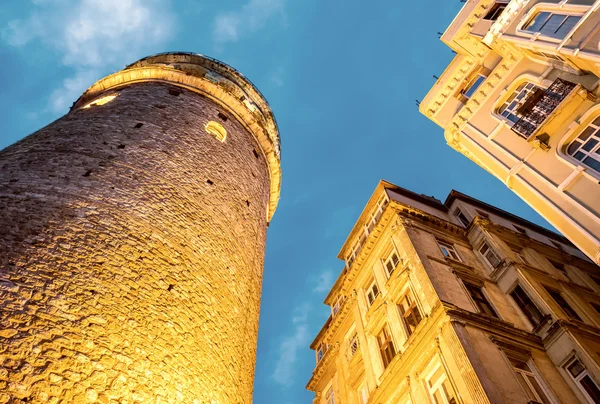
215, 80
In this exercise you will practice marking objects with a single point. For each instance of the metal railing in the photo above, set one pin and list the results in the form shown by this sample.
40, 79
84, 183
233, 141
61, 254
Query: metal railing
540, 105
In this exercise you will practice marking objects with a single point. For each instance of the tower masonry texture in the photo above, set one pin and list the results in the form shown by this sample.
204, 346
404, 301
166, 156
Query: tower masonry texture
132, 240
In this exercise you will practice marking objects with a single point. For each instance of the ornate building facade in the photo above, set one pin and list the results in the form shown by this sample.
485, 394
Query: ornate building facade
457, 302
520, 99
132, 240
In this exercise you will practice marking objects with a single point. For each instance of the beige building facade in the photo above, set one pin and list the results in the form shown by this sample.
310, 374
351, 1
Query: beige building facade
457, 302
520, 99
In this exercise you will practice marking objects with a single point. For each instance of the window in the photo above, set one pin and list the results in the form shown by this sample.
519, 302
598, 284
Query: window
410, 313
584, 381
553, 25
440, 389
363, 393
386, 346
330, 397
558, 245
489, 255
321, 350
586, 147
101, 101
520, 229
480, 300
448, 251
531, 311
562, 303
483, 214
495, 11
338, 304
529, 382
391, 262
520, 256
473, 85
560, 267
461, 216
352, 346
546, 55
510, 108
372, 293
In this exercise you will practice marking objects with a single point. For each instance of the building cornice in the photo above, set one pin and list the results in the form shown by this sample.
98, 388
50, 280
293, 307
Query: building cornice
215, 80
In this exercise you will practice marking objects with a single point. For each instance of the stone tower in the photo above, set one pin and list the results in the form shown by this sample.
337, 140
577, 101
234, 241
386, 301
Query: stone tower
132, 238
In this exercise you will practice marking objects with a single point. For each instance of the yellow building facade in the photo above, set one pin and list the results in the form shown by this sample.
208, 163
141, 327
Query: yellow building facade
520, 99
457, 302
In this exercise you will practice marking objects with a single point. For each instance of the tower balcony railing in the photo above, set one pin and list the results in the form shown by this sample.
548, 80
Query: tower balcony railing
540, 105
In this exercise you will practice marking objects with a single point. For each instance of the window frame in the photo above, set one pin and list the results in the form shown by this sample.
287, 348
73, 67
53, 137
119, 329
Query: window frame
561, 305
439, 383
413, 307
489, 251
387, 349
480, 302
330, 396
386, 260
473, 84
372, 285
524, 375
506, 99
337, 305
444, 244
523, 310
458, 213
594, 135
572, 11
493, 12
320, 352
577, 379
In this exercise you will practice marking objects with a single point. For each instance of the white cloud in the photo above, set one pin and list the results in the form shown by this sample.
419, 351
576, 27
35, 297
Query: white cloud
92, 36
324, 282
252, 16
288, 349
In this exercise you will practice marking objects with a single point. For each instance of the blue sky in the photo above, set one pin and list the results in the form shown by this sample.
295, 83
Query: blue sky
342, 78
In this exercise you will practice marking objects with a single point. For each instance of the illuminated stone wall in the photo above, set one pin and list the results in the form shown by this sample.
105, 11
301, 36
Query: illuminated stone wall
131, 254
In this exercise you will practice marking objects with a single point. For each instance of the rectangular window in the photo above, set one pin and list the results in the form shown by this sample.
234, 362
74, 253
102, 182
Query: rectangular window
562, 303
584, 381
483, 214
440, 389
560, 267
461, 216
473, 85
353, 346
321, 350
330, 397
448, 251
553, 25
531, 311
495, 11
338, 304
480, 300
372, 292
410, 313
529, 382
391, 262
386, 346
363, 393
489, 255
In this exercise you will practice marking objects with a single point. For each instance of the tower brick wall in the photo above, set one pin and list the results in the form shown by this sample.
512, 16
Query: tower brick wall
131, 251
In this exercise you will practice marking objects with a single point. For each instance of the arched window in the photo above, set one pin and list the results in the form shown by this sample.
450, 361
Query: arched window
586, 146
510, 108
217, 130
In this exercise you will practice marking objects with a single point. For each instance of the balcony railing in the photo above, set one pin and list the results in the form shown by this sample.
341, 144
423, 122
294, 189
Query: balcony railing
540, 105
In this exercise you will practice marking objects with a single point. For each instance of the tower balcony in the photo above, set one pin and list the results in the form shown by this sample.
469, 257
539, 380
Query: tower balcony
540, 107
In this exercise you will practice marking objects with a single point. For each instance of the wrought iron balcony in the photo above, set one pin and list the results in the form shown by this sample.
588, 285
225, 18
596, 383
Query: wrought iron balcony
540, 105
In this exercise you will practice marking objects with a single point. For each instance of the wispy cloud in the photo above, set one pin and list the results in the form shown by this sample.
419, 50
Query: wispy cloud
288, 349
91, 36
276, 77
252, 16
323, 282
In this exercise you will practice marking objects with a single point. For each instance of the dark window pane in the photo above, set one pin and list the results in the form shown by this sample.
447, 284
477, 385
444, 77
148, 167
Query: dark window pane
566, 26
537, 22
579, 156
590, 144
593, 163
527, 306
552, 25
557, 296
573, 148
591, 388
